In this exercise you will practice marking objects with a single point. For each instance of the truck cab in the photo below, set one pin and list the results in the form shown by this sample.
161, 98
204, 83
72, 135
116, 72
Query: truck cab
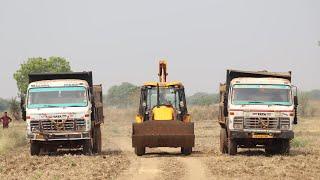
257, 109
63, 113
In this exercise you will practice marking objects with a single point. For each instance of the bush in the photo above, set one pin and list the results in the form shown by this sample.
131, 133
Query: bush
14, 108
203, 112
124, 95
4, 104
202, 99
297, 142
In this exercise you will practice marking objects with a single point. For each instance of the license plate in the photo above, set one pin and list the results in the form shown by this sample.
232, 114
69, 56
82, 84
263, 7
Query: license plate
262, 136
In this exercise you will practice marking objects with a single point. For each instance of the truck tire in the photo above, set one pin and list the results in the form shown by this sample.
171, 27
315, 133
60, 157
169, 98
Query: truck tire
270, 150
223, 141
186, 150
232, 147
279, 146
35, 148
97, 140
285, 146
87, 147
139, 151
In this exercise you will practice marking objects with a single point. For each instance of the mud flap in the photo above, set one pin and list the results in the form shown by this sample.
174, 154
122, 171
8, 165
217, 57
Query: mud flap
163, 134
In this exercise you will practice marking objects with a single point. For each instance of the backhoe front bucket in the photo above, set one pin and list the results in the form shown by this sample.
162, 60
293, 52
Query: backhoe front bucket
163, 134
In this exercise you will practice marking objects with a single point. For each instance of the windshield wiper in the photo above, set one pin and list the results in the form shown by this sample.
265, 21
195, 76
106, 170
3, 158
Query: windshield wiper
279, 104
51, 106
256, 102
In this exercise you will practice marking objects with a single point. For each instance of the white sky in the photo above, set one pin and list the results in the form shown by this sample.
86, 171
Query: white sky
123, 40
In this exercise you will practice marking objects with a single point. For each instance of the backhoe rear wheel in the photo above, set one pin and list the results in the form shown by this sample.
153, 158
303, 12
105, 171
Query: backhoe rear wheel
223, 141
139, 151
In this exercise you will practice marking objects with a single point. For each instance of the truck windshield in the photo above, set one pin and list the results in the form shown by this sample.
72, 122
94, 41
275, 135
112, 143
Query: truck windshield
167, 96
47, 97
261, 94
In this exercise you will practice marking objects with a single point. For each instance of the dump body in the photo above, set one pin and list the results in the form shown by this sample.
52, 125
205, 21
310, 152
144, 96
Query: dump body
257, 109
64, 110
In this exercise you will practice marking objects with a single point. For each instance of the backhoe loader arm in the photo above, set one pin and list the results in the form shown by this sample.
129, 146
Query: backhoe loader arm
163, 71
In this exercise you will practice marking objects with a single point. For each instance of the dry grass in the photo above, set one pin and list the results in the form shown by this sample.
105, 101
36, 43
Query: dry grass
314, 108
16, 163
302, 163
199, 113
13, 137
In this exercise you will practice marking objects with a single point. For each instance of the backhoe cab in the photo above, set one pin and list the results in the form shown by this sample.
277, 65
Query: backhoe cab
163, 119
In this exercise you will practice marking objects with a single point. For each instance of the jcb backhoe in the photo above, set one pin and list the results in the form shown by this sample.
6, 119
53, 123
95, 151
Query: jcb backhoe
163, 119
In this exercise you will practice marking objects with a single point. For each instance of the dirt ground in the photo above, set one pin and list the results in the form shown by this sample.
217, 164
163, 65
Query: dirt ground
119, 162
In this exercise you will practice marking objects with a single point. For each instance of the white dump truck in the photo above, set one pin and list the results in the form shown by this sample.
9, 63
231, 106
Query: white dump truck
257, 110
63, 110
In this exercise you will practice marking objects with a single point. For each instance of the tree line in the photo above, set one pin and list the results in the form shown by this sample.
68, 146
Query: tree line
121, 96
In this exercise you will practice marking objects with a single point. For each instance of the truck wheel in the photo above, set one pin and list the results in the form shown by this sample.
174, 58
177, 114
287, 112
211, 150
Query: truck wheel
139, 151
97, 140
285, 146
87, 147
223, 141
232, 147
35, 148
53, 150
186, 150
270, 150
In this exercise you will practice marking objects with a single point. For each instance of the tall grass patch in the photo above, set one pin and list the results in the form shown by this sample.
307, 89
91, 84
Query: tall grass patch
13, 137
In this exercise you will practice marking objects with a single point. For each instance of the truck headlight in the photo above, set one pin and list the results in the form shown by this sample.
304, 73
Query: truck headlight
238, 126
284, 127
88, 125
284, 123
238, 122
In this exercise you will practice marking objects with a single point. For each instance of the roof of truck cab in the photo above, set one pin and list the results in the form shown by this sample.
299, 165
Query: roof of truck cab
59, 82
166, 84
250, 80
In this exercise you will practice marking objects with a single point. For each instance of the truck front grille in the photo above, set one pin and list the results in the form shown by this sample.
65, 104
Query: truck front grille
261, 123
57, 125
285, 121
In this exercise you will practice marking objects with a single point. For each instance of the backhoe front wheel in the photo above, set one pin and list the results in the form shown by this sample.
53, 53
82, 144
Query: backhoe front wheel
186, 150
139, 151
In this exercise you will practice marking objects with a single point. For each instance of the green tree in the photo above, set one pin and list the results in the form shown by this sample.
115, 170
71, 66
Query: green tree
14, 108
123, 96
39, 65
4, 104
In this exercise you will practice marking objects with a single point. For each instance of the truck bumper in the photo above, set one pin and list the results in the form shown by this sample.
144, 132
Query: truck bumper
163, 134
59, 136
251, 135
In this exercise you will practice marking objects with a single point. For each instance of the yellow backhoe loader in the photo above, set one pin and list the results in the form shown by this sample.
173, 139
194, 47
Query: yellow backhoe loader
163, 119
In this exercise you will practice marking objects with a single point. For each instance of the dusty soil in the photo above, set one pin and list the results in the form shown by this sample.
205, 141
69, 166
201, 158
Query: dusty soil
118, 160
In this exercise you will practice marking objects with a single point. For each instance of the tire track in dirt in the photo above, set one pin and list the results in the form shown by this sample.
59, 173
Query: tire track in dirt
194, 168
142, 168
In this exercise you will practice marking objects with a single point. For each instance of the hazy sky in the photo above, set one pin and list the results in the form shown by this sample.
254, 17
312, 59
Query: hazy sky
123, 40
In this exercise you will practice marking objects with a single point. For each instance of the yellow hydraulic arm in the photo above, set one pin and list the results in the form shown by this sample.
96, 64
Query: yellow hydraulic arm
163, 71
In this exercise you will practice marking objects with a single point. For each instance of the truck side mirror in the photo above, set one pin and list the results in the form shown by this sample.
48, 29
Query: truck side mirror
295, 99
295, 120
